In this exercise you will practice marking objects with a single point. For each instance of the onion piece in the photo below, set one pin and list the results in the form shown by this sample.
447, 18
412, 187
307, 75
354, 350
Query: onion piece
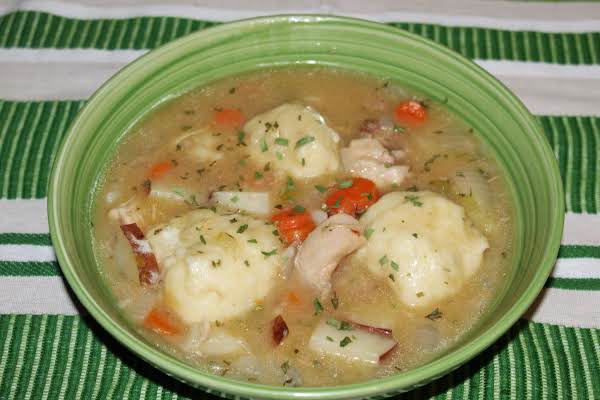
144, 257
356, 345
253, 202
473, 184
279, 330
220, 343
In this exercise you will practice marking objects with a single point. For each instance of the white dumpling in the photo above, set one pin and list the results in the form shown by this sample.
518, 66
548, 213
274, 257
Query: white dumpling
216, 265
422, 244
295, 139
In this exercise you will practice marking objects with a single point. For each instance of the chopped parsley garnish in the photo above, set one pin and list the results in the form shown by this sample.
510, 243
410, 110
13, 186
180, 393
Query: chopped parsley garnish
303, 162
345, 341
179, 192
461, 174
216, 263
368, 232
395, 266
281, 141
305, 140
268, 254
233, 220
368, 195
220, 147
258, 175
339, 325
263, 144
391, 276
246, 263
434, 315
415, 200
285, 367
317, 306
267, 167
234, 199
252, 241
383, 260
290, 185
420, 294
335, 301
345, 184
194, 201
329, 338
398, 129
299, 209
338, 202
415, 235
242, 228
202, 239
320, 188
427, 165
279, 155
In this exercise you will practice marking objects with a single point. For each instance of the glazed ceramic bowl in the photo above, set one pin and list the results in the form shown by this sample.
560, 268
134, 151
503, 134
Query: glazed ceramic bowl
498, 117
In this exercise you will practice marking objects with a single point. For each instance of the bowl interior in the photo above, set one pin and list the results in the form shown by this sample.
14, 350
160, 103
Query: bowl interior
501, 121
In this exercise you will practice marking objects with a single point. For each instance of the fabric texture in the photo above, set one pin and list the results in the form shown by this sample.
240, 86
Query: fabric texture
54, 54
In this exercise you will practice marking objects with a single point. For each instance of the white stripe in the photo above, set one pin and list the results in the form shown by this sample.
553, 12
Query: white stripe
52, 74
567, 307
582, 229
581, 268
561, 17
35, 295
23, 216
26, 252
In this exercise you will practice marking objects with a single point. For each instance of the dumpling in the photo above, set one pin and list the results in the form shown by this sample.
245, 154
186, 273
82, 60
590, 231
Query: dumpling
295, 139
422, 244
216, 265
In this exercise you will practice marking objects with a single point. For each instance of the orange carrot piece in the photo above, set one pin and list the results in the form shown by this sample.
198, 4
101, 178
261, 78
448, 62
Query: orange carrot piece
293, 298
231, 117
162, 323
410, 112
159, 169
354, 199
293, 226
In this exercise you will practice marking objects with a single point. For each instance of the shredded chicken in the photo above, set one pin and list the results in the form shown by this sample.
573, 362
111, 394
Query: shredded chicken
127, 213
367, 158
321, 252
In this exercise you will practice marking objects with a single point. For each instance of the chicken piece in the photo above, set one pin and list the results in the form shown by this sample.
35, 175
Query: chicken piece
321, 252
127, 213
367, 158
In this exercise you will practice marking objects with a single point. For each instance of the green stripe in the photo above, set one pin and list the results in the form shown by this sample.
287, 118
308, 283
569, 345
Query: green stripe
38, 239
574, 283
579, 251
29, 268
31, 131
34, 29
74, 353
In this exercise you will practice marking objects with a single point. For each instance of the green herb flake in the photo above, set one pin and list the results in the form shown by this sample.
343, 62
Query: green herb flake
254, 241
268, 254
279, 155
285, 367
242, 228
335, 301
398, 129
267, 167
303, 162
216, 263
420, 294
304, 141
415, 200
383, 260
234, 199
395, 266
258, 175
246, 263
345, 341
368, 232
368, 195
338, 202
263, 144
434, 315
391, 276
282, 141
290, 185
317, 306
345, 184
415, 235
179, 192
202, 239
460, 173
299, 209
329, 338
320, 188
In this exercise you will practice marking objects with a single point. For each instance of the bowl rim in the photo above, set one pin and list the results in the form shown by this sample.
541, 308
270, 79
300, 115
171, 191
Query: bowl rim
432, 370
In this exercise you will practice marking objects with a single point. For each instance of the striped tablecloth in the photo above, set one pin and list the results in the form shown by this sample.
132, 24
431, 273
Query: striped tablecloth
54, 54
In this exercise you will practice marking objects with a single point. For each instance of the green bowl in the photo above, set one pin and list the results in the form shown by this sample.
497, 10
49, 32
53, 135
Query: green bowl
498, 117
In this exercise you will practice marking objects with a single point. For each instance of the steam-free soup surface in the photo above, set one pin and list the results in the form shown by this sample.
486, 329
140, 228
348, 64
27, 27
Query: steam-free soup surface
303, 227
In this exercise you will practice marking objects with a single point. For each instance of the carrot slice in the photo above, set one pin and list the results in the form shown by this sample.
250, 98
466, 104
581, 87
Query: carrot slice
144, 257
159, 169
410, 112
293, 298
231, 117
162, 323
354, 199
293, 226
